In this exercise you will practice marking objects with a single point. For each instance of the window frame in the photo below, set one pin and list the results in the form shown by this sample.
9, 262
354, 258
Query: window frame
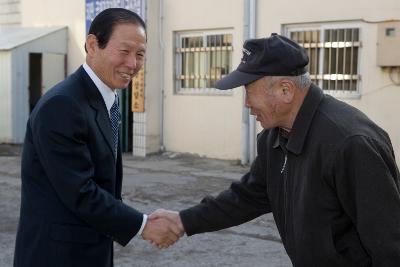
178, 36
321, 27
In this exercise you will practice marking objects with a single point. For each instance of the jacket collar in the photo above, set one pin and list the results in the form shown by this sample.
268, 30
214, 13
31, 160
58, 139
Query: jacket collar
96, 101
303, 121
106, 92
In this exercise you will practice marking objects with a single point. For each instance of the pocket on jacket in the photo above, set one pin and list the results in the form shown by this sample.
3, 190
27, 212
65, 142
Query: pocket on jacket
74, 233
348, 245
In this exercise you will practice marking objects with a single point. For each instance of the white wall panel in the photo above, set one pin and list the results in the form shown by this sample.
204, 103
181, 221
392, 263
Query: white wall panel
5, 97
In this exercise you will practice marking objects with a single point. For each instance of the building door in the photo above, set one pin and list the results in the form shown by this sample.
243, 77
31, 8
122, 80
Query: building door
53, 70
35, 79
45, 71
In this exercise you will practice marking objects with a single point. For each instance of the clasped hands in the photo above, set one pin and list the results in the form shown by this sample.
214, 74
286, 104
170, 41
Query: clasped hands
163, 228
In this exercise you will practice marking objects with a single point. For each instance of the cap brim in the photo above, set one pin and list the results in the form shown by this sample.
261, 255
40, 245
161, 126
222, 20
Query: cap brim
235, 79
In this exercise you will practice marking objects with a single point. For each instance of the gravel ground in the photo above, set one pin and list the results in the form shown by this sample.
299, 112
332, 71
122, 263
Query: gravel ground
170, 181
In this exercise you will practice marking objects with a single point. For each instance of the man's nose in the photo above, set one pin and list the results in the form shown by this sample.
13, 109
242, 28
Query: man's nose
131, 61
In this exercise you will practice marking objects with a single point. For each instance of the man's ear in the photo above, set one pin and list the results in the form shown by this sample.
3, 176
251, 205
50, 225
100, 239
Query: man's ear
287, 91
91, 44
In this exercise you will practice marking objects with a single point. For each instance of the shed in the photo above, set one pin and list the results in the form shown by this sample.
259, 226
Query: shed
32, 60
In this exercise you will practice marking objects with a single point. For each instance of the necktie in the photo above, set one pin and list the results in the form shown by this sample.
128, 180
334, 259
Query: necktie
115, 117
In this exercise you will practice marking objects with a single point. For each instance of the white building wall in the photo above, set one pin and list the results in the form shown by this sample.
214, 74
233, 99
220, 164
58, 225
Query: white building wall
60, 13
10, 14
5, 97
379, 98
208, 125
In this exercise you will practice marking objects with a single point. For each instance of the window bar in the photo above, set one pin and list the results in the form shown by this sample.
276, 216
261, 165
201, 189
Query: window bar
202, 53
179, 71
191, 65
344, 59
199, 71
351, 60
196, 63
196, 44
208, 51
302, 38
310, 50
337, 58
209, 63
185, 61
330, 60
221, 39
321, 60
214, 59
180, 57
188, 62
316, 58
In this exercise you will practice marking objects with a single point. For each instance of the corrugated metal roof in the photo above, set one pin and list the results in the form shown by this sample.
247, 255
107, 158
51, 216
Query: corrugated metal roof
16, 36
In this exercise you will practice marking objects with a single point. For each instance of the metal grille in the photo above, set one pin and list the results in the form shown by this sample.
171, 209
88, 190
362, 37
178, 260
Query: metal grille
202, 60
333, 57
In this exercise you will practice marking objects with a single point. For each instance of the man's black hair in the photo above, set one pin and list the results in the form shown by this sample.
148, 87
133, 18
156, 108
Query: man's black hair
103, 24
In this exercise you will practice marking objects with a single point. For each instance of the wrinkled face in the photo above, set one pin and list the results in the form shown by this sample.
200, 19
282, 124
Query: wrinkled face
123, 56
263, 100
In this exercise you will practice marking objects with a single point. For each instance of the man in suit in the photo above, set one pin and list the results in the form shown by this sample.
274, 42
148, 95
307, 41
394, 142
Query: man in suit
326, 171
71, 207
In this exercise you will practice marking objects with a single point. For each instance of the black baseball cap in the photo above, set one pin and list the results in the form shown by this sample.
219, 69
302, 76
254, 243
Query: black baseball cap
273, 56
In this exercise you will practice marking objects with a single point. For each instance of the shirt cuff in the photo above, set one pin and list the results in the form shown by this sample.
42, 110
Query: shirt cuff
143, 225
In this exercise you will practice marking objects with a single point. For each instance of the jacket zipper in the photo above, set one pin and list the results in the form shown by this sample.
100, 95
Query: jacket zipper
285, 195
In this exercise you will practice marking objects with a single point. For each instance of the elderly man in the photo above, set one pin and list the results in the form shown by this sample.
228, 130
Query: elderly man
324, 169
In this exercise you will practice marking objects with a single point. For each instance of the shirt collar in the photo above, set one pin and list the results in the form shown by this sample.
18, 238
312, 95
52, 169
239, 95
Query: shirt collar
302, 122
106, 92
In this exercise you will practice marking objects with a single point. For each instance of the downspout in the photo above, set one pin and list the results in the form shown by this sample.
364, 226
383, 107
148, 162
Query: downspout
252, 120
248, 121
162, 83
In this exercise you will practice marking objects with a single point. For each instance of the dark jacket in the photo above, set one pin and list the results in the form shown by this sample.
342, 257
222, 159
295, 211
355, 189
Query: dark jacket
332, 186
71, 208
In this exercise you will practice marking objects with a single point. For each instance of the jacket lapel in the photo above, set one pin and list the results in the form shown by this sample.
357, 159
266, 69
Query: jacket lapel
97, 103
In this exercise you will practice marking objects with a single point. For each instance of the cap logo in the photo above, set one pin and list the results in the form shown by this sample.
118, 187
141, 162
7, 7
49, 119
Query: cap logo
246, 54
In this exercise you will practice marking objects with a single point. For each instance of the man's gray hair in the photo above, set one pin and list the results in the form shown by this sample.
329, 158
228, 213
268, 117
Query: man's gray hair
302, 81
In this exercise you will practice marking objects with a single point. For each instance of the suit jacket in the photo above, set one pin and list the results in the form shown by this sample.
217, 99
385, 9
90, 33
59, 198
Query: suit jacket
71, 208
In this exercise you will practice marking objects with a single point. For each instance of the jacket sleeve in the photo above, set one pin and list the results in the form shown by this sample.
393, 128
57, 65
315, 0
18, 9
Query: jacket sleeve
60, 137
242, 202
367, 181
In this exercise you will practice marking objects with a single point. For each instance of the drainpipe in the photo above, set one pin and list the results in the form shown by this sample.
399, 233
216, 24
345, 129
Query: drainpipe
162, 83
248, 121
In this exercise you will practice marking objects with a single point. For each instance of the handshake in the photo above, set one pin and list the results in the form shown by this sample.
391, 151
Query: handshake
163, 228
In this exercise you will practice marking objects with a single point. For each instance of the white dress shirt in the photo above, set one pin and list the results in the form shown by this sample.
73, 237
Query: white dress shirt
109, 96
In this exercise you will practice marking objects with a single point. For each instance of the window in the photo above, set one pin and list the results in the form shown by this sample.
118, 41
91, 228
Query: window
202, 58
334, 54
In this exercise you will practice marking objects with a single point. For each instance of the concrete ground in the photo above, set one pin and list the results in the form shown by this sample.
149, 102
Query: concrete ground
170, 181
